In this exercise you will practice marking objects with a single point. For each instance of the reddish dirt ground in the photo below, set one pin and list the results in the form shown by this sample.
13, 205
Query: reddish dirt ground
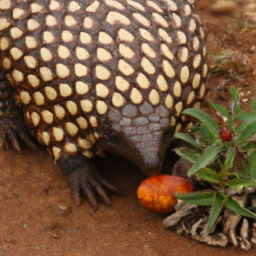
38, 215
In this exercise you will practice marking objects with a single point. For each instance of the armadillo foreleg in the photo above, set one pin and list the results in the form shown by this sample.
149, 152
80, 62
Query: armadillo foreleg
12, 126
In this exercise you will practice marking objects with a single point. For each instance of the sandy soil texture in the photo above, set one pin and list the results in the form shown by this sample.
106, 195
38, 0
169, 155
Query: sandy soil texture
38, 215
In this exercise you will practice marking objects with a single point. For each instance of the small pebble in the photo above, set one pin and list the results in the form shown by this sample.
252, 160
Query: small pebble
62, 209
223, 118
253, 48
227, 7
55, 235
5, 247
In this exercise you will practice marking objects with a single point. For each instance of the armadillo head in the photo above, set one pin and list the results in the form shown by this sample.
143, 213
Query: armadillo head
140, 134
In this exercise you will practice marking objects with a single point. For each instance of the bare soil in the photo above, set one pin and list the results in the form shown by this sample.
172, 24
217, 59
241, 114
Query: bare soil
38, 215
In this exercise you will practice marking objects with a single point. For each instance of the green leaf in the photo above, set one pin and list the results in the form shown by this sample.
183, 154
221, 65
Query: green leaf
245, 116
217, 205
224, 55
203, 118
251, 151
207, 135
234, 206
245, 170
234, 175
248, 131
241, 127
208, 156
238, 108
225, 113
252, 164
209, 175
187, 154
195, 128
229, 159
248, 146
240, 182
253, 104
189, 140
234, 95
203, 198
216, 70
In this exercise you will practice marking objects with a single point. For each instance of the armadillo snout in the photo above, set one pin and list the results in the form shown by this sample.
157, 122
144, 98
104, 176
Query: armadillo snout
142, 134
151, 150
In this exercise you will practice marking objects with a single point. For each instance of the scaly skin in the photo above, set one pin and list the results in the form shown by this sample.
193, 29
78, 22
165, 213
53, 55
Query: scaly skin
101, 75
12, 126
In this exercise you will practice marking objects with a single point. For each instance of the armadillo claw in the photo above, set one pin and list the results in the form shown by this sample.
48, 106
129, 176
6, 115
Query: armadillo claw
12, 137
30, 144
9, 138
85, 181
2, 140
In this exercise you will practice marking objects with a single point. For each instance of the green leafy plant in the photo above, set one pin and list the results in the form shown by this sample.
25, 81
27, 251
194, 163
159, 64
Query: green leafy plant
223, 157
223, 62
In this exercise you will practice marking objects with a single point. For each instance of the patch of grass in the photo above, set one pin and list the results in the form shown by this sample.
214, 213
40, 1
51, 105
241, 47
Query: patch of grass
222, 56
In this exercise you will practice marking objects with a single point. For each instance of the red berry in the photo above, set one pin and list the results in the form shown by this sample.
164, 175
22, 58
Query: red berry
225, 133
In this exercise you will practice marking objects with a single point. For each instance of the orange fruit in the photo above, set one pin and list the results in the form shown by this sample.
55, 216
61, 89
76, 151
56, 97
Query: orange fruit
157, 192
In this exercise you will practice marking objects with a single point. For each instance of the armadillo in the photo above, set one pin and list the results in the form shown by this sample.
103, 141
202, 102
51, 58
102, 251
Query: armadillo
88, 76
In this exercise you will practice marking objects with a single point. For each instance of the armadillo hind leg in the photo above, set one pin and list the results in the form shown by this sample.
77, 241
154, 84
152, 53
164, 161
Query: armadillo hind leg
12, 125
84, 178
